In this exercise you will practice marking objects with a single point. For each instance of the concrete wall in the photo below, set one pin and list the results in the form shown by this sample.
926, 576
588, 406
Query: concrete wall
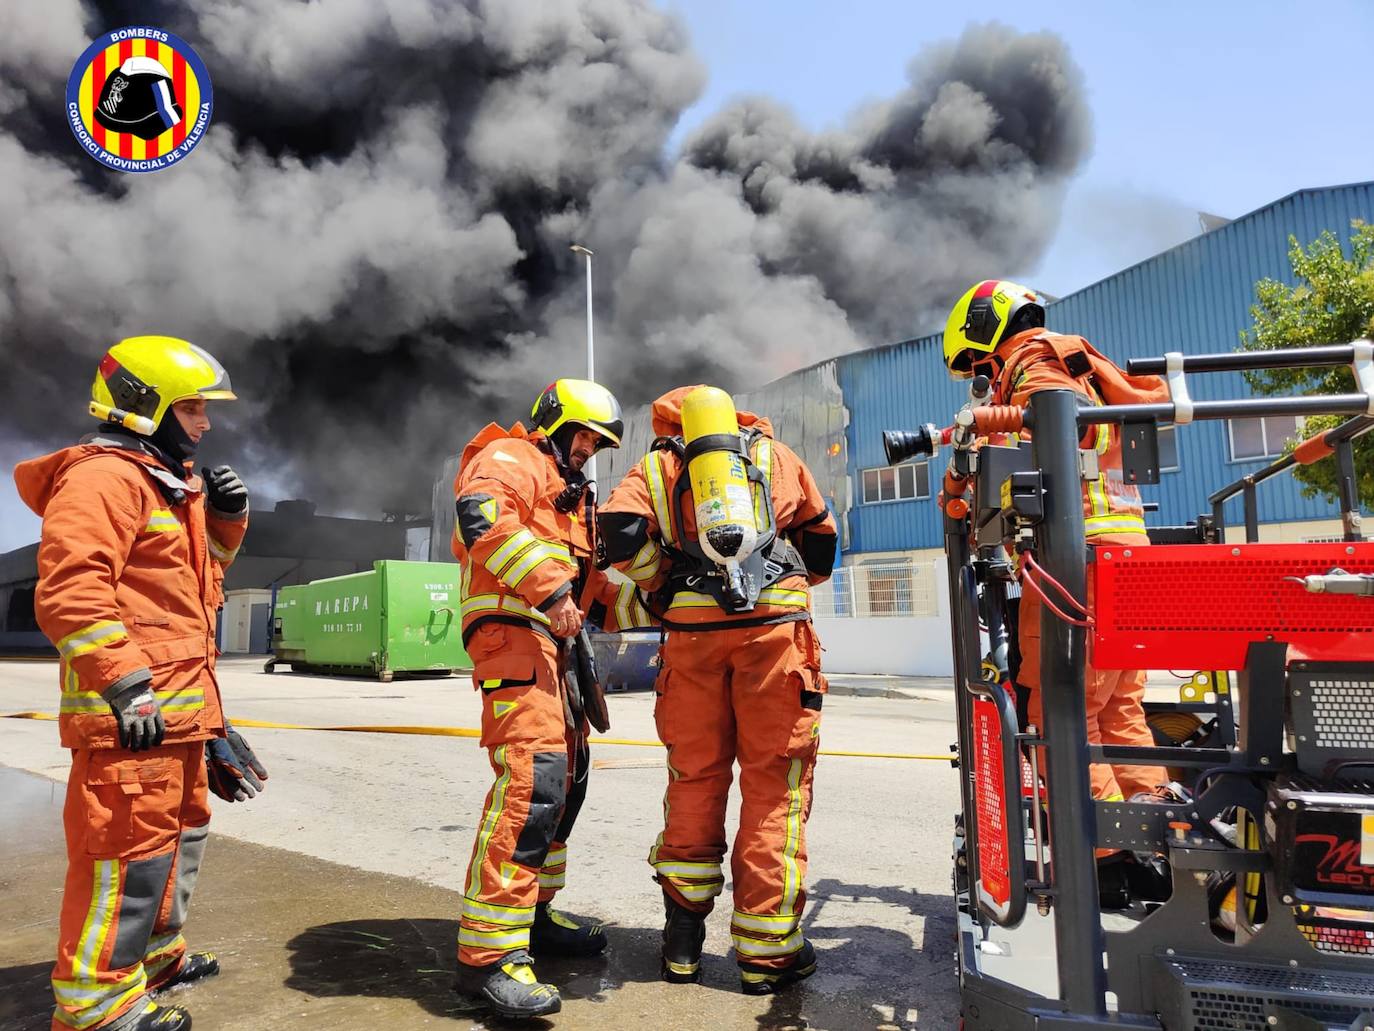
913, 646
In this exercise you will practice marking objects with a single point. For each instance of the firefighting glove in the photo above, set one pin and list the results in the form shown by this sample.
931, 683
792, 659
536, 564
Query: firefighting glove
225, 490
236, 775
136, 712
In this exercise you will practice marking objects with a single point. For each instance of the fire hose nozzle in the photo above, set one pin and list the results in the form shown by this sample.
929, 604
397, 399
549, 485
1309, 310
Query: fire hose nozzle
1338, 581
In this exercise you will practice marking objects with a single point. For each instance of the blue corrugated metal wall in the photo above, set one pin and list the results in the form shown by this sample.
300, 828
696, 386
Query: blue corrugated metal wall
1193, 298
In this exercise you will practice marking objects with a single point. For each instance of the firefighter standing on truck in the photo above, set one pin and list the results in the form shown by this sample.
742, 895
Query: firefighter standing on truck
525, 535
130, 575
740, 678
997, 330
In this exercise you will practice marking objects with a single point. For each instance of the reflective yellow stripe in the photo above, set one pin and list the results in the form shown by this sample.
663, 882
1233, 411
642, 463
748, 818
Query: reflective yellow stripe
507, 916
89, 638
165, 943
791, 883
768, 923
1094, 525
653, 475
753, 947
624, 606
1097, 496
162, 521
76, 994
646, 561
556, 857
490, 818
784, 597
510, 548
778, 596
169, 701
553, 880
500, 603
93, 1016
763, 460
104, 896
509, 940
1104, 438
531, 559
698, 870
219, 551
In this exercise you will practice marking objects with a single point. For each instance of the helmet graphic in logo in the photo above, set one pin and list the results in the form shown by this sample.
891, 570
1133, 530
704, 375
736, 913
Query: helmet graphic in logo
139, 97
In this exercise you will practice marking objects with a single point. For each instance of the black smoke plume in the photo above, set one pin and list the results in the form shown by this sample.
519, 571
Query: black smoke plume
373, 237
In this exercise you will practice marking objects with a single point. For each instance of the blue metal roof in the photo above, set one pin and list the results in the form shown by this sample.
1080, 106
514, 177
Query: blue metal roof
1193, 298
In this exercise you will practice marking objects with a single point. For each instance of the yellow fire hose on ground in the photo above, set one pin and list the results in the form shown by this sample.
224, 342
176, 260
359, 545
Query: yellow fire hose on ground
475, 732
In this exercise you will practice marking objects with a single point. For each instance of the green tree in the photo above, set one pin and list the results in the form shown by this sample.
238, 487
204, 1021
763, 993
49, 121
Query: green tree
1331, 302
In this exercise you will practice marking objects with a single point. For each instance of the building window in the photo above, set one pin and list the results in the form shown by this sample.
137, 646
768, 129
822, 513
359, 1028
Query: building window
1168, 449
1261, 438
896, 483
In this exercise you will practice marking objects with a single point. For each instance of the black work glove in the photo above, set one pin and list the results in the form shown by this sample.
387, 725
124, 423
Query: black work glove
225, 490
137, 713
235, 773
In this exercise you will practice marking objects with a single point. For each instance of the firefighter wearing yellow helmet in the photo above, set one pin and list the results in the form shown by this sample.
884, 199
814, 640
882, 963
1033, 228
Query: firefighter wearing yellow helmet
130, 577
997, 329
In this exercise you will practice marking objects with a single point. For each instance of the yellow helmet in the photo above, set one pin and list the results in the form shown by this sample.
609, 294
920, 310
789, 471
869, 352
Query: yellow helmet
145, 376
579, 402
979, 322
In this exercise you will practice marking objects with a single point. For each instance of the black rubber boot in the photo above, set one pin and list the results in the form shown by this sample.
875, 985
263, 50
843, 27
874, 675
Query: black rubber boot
758, 980
683, 934
196, 966
160, 1018
509, 987
554, 934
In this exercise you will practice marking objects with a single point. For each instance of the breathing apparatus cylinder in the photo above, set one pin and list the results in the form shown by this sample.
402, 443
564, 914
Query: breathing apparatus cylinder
724, 500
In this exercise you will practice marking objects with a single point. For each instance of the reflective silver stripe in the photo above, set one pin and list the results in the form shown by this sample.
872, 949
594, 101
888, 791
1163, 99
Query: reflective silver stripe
791, 884
553, 880
532, 559
769, 923
556, 856
512, 546
490, 818
90, 638
653, 475
753, 947
104, 896
509, 940
699, 870
507, 916
501, 603
624, 606
219, 551
698, 892
75, 993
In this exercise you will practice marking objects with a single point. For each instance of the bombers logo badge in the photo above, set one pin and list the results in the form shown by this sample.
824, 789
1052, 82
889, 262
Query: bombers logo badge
139, 99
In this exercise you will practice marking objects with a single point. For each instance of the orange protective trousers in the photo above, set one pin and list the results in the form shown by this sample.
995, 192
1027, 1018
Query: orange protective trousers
136, 827
520, 854
1115, 703
751, 695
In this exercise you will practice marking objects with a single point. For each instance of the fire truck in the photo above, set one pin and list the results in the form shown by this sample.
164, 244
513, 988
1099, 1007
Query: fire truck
1266, 917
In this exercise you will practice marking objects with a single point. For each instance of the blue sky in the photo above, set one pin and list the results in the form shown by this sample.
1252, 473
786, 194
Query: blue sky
1213, 106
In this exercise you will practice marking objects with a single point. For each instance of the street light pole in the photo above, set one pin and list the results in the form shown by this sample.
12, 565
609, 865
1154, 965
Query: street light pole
577, 248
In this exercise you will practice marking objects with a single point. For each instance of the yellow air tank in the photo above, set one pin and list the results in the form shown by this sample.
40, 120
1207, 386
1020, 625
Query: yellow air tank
723, 498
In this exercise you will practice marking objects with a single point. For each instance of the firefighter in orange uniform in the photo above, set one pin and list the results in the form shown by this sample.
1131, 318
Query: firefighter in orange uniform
997, 330
130, 574
740, 681
525, 535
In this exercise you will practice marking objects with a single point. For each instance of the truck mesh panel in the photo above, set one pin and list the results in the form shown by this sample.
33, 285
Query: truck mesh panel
1232, 997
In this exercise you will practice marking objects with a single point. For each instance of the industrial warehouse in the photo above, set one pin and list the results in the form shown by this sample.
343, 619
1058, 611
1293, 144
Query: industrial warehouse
622, 514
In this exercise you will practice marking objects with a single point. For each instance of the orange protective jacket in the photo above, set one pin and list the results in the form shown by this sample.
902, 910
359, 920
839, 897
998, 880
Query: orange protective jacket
128, 580
519, 553
1036, 360
638, 520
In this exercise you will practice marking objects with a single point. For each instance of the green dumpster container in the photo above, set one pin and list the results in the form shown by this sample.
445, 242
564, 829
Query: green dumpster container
400, 617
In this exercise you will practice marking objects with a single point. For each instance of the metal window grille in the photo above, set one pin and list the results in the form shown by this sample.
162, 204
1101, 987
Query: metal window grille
899, 588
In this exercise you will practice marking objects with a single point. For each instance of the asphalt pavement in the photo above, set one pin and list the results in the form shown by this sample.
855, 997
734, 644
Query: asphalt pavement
332, 898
